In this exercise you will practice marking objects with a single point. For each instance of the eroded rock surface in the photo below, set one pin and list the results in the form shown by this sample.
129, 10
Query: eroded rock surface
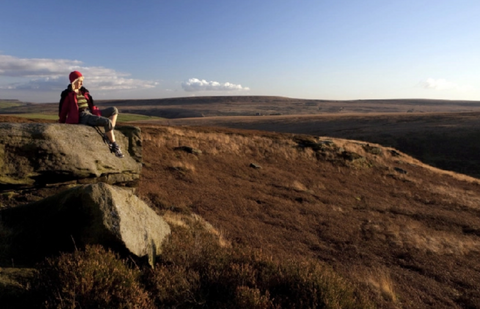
88, 214
40, 154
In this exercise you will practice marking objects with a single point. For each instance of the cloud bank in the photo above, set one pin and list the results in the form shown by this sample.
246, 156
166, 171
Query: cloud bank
52, 74
195, 84
443, 84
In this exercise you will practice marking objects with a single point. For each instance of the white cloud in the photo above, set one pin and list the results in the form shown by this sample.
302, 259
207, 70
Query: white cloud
52, 74
195, 84
443, 84
36, 67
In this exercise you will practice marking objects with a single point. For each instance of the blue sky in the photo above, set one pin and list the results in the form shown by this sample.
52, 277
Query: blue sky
323, 49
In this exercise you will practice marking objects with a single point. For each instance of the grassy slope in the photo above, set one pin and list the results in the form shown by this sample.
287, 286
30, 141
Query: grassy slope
8, 104
405, 230
446, 140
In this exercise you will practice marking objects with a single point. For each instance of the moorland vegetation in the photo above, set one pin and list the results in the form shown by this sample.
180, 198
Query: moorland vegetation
294, 221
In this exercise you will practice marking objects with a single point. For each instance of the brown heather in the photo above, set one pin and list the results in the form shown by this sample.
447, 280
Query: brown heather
90, 278
383, 228
194, 271
405, 233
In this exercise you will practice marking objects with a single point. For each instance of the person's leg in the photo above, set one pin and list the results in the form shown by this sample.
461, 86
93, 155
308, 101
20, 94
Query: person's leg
93, 120
110, 113
113, 119
96, 121
111, 136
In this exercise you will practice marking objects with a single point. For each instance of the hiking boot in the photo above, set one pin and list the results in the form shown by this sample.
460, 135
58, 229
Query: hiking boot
110, 144
116, 149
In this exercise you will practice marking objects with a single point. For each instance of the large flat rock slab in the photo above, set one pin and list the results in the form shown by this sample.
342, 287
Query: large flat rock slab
39, 154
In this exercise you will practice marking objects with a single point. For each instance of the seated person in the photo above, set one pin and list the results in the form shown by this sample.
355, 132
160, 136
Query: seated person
76, 106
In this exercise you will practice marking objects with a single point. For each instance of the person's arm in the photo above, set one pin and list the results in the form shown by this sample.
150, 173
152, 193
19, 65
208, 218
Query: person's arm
93, 108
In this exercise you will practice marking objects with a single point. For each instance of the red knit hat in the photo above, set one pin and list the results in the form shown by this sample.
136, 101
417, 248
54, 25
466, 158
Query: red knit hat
74, 76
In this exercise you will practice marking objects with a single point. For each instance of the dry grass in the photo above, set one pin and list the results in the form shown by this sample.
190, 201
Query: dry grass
15, 287
182, 166
390, 212
380, 281
464, 197
413, 235
192, 221
218, 144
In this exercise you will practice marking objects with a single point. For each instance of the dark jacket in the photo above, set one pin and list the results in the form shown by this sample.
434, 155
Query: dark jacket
68, 108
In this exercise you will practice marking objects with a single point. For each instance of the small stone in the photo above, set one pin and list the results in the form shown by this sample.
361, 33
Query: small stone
372, 149
189, 149
394, 153
254, 165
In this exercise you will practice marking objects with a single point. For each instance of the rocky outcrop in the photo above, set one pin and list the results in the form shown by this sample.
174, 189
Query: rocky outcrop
39, 154
88, 214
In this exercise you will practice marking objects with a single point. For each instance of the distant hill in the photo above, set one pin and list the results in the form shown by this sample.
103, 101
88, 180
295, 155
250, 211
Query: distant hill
214, 106
6, 104
10, 100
